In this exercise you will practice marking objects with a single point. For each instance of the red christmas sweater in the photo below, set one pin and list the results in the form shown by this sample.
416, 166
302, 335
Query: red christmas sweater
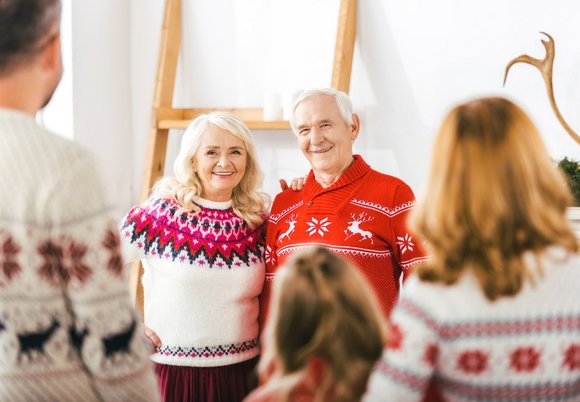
361, 217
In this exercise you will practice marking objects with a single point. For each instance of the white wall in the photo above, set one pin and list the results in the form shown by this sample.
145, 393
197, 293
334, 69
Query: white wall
423, 56
101, 95
413, 60
232, 58
57, 116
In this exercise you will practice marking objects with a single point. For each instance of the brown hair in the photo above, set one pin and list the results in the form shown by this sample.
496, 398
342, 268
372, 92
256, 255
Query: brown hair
493, 195
23, 26
323, 308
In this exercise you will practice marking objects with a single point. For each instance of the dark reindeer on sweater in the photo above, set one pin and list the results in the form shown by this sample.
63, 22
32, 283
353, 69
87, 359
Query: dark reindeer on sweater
31, 342
120, 342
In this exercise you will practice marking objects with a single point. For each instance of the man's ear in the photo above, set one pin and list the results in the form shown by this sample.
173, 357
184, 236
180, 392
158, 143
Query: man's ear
355, 127
52, 53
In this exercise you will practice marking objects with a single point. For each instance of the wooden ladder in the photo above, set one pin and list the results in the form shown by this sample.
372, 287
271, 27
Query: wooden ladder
166, 117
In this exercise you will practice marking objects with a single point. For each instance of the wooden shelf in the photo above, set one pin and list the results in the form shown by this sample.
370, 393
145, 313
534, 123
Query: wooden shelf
252, 124
168, 118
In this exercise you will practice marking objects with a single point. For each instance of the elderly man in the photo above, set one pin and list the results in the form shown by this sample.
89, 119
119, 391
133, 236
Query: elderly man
344, 204
68, 331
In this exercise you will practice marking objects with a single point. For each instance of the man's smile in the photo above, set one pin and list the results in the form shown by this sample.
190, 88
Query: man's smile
321, 151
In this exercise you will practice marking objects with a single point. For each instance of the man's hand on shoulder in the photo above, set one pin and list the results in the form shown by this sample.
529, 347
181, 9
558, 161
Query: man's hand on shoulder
296, 184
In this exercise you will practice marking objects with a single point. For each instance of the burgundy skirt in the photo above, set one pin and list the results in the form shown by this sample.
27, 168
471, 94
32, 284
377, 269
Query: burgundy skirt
207, 384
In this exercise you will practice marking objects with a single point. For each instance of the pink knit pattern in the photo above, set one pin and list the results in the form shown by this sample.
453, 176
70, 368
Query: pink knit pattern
212, 237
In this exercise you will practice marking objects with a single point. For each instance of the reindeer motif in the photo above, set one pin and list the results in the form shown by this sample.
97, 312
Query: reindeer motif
31, 342
292, 225
120, 342
77, 338
354, 227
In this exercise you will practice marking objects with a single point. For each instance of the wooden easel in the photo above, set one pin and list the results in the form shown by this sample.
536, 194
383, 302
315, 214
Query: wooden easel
166, 117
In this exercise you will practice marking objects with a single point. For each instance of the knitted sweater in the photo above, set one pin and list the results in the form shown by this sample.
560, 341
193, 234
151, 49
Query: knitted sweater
202, 276
521, 348
362, 217
68, 331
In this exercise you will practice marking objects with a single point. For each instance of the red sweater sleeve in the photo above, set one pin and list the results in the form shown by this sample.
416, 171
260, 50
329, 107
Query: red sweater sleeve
409, 250
271, 266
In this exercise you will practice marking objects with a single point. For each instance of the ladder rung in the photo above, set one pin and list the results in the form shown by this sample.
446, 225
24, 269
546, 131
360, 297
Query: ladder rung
169, 117
252, 124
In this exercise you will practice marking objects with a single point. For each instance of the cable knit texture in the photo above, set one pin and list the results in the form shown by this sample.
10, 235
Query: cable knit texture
362, 217
521, 348
202, 276
68, 331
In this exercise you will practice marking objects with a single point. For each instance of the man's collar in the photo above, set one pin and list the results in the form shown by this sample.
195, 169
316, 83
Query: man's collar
356, 170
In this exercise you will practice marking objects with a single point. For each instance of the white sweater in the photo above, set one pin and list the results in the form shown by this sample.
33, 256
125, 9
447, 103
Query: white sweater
202, 277
68, 331
521, 348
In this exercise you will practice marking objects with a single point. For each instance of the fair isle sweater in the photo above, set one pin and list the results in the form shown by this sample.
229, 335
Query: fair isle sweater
68, 331
516, 349
361, 217
202, 276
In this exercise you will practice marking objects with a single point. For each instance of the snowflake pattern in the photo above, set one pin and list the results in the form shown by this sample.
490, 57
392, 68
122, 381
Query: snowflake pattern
572, 357
431, 354
405, 243
77, 266
319, 227
52, 268
113, 245
395, 338
63, 263
524, 359
8, 264
269, 255
472, 362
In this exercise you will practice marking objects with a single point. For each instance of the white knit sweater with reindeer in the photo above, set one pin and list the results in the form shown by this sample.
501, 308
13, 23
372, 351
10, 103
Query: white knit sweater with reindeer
68, 331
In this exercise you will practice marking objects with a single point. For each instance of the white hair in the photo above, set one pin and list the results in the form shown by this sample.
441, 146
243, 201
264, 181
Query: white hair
342, 100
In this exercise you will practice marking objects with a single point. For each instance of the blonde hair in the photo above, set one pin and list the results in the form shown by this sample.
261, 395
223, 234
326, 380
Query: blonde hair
247, 202
323, 308
493, 195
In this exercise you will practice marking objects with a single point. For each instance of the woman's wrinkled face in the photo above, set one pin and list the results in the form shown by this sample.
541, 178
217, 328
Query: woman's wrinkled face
220, 163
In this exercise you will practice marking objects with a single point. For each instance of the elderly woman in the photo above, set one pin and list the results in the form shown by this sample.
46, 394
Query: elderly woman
495, 315
200, 238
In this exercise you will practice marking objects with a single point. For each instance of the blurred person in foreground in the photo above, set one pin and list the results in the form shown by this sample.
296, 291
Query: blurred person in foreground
495, 315
68, 330
325, 331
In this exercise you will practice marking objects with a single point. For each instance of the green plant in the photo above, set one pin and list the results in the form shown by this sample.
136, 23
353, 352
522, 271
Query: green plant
571, 169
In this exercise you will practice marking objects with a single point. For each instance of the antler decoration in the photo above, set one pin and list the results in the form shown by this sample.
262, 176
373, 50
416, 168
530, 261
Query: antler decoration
545, 67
